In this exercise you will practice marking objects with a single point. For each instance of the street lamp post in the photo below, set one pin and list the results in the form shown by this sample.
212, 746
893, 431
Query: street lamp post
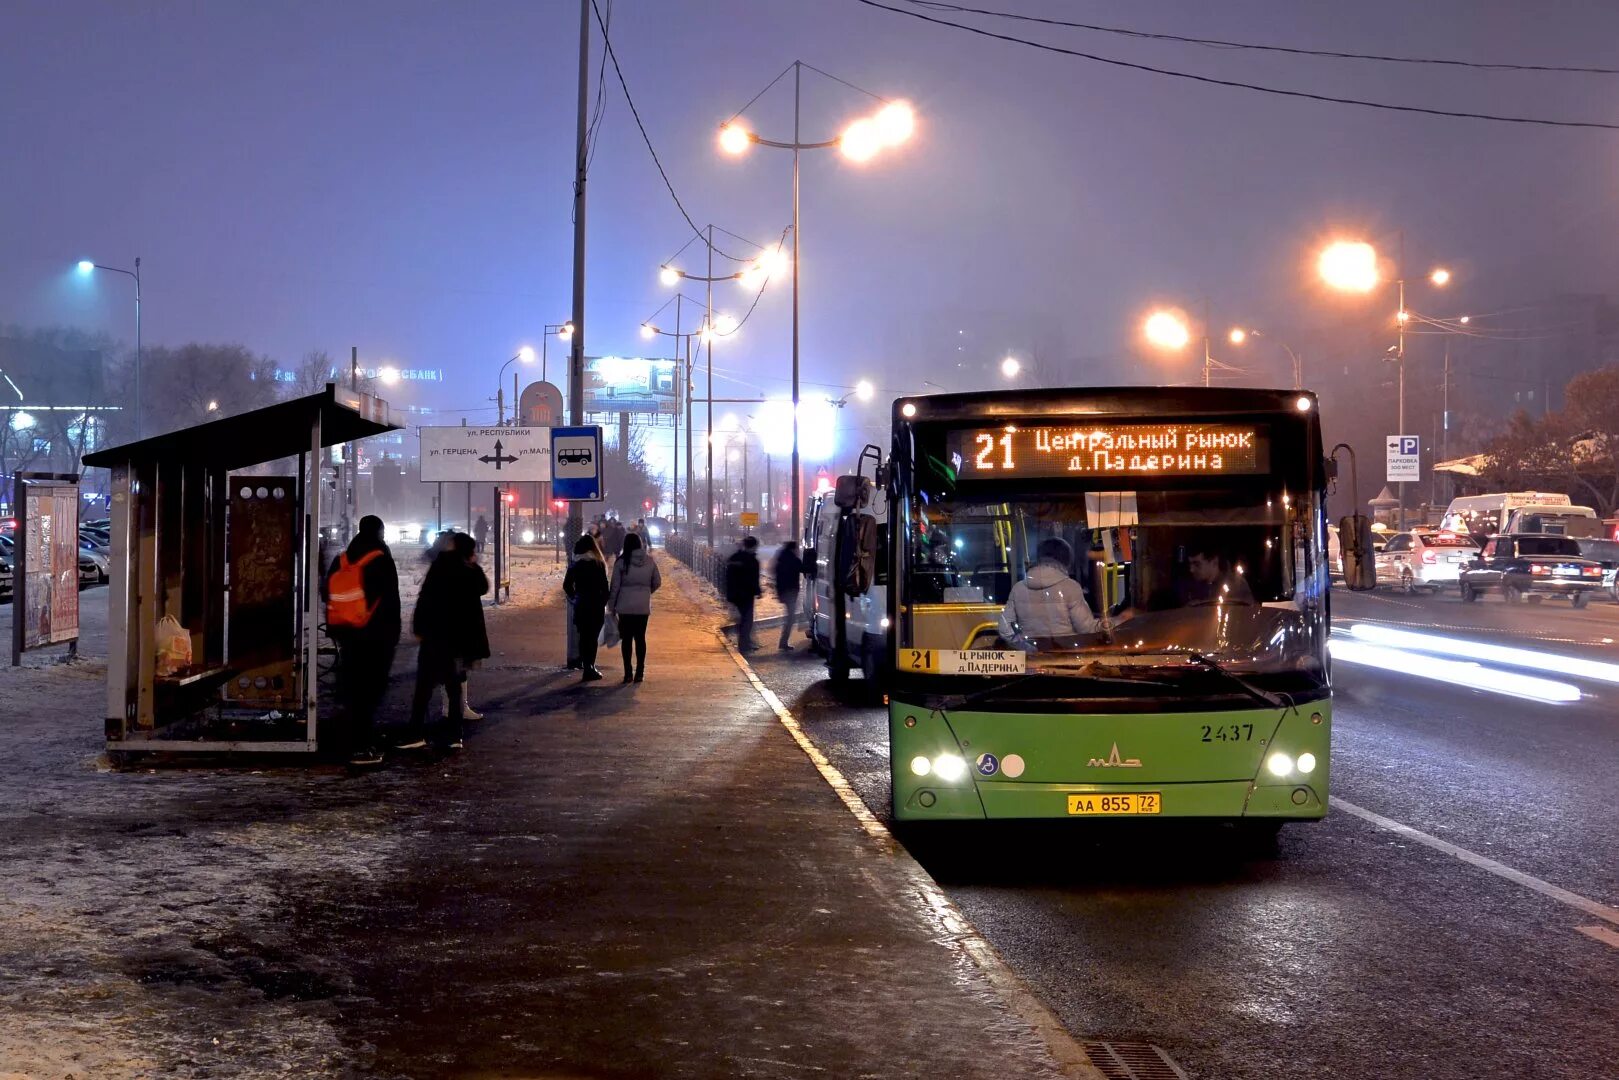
526, 355
860, 141
1351, 266
86, 266
682, 339
564, 331
1240, 334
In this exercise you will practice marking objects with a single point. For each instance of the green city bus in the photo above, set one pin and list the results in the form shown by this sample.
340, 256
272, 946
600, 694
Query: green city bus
1107, 603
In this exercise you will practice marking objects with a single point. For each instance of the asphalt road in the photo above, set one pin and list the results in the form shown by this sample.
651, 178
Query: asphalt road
1352, 949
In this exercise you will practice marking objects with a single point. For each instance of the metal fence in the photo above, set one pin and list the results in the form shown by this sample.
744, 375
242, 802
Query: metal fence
703, 560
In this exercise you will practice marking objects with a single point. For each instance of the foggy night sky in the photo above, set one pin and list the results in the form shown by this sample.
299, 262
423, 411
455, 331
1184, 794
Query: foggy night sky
396, 176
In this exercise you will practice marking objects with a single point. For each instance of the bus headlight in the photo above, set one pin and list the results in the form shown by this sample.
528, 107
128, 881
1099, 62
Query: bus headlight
950, 767
920, 765
1306, 762
1279, 764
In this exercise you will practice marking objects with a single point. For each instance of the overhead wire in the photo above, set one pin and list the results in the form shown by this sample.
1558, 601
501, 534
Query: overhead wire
640, 125
1219, 43
593, 131
1277, 91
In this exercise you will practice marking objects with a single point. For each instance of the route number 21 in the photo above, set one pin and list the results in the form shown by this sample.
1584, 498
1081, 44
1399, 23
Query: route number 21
986, 443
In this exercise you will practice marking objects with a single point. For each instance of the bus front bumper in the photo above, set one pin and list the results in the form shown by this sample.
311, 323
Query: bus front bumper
978, 800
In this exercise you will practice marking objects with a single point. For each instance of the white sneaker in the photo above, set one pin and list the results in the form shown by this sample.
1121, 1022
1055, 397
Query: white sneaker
469, 713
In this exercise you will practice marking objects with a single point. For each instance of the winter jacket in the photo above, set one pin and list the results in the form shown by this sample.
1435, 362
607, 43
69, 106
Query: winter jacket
586, 585
380, 578
612, 538
742, 577
635, 579
789, 568
449, 610
1047, 604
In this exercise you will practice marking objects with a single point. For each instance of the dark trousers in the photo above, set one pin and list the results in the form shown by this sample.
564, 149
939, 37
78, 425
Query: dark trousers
789, 600
744, 624
632, 634
363, 670
435, 667
588, 625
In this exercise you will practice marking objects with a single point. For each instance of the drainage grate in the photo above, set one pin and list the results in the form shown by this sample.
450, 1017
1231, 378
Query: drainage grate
1133, 1061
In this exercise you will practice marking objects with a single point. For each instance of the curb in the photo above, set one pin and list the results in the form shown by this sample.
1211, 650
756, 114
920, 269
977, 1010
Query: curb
956, 932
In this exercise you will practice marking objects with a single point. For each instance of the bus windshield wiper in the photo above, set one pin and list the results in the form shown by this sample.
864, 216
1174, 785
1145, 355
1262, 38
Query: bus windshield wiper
1275, 701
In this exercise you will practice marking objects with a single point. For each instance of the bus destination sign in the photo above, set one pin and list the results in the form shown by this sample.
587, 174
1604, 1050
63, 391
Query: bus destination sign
1017, 450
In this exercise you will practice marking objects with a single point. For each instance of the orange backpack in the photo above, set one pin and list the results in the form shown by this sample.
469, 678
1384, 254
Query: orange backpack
346, 608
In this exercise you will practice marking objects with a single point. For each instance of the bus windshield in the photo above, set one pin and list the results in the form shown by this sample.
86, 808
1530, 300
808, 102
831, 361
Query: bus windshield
1111, 582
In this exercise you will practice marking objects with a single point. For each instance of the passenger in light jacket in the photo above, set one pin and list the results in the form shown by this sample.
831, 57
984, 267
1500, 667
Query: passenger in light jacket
1048, 605
635, 579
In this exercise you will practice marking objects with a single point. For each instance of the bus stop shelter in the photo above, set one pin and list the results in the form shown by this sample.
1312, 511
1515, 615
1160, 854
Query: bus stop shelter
214, 612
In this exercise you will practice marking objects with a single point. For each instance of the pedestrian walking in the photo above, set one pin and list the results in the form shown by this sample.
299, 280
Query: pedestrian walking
586, 586
635, 579
613, 534
645, 534
788, 572
363, 618
449, 624
742, 588
480, 531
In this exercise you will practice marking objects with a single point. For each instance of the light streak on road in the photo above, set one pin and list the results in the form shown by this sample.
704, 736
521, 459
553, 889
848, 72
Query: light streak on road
1533, 659
1454, 672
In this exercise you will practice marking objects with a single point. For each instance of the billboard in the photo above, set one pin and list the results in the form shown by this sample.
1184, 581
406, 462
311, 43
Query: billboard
631, 384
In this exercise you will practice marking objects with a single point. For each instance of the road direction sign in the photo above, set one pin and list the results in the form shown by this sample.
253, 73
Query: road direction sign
1404, 458
494, 455
749, 519
577, 454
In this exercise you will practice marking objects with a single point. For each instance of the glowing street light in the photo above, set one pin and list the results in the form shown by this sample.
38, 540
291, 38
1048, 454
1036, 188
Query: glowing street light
526, 354
1010, 367
1349, 265
213, 406
1238, 335
86, 266
1440, 276
1167, 330
647, 331
669, 276
892, 124
864, 390
735, 139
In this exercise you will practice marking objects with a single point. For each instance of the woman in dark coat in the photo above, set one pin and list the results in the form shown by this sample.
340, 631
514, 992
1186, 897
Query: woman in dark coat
586, 586
449, 624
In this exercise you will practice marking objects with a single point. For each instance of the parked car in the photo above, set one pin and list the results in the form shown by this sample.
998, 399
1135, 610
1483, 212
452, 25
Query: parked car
1424, 559
93, 566
1605, 552
5, 576
1532, 566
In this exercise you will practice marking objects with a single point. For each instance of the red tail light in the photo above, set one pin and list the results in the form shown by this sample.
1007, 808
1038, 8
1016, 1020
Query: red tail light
1593, 571
1540, 571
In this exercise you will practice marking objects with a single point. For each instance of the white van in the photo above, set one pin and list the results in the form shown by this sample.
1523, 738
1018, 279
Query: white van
867, 615
1486, 515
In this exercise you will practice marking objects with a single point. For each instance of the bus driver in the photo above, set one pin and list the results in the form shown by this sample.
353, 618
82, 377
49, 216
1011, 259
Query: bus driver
1048, 606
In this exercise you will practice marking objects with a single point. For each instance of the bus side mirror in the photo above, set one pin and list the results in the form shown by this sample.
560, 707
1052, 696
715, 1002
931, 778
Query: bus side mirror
1355, 541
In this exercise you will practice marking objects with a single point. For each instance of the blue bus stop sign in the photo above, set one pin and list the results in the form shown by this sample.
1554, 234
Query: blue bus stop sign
576, 455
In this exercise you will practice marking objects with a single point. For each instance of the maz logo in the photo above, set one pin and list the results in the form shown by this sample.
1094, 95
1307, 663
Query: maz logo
1114, 761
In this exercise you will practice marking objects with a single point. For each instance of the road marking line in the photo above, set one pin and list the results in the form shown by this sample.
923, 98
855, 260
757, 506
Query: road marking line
959, 933
1545, 888
1601, 933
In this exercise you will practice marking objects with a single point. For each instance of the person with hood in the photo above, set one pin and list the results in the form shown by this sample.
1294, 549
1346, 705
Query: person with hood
363, 618
1048, 605
586, 586
635, 579
742, 588
613, 533
449, 624
480, 530
788, 570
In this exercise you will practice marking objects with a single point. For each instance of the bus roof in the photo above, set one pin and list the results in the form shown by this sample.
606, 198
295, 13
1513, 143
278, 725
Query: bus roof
1074, 402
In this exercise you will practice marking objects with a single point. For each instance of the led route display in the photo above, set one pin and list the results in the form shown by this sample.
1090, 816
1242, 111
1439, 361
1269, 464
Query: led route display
1040, 450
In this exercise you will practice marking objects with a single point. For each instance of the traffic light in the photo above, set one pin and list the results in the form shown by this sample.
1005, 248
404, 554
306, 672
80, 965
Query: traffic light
646, 504
559, 505
510, 498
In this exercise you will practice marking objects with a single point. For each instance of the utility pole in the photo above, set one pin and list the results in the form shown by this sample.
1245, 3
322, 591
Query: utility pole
708, 332
576, 354
796, 524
